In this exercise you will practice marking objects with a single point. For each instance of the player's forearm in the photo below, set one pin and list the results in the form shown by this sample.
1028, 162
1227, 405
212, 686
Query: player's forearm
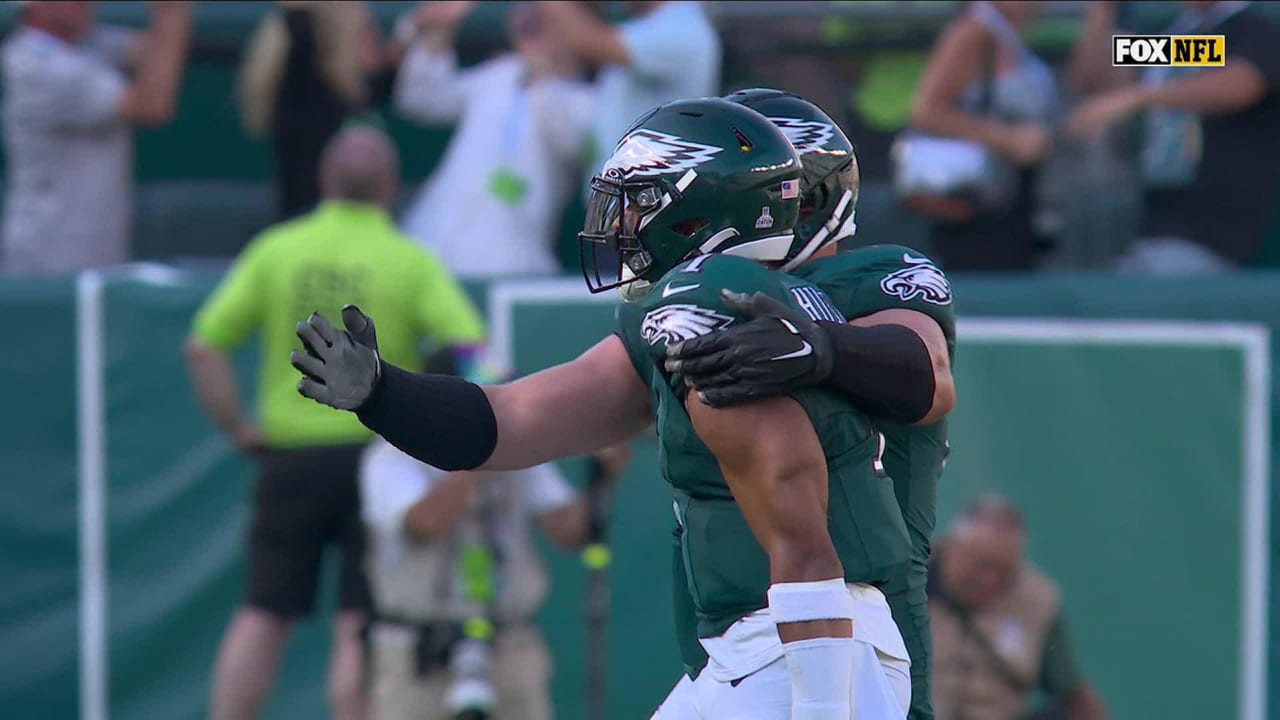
888, 371
540, 421
441, 420
453, 424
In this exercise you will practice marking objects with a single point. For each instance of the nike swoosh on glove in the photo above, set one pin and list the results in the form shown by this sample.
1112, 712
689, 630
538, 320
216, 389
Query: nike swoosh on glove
778, 350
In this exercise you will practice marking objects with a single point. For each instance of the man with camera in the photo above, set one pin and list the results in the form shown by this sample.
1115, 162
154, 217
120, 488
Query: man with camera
457, 580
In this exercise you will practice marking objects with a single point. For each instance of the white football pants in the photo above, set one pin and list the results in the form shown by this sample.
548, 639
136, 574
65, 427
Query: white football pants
881, 679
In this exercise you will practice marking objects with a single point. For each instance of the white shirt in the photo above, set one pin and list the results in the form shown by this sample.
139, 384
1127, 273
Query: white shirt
674, 52
418, 581
474, 229
68, 196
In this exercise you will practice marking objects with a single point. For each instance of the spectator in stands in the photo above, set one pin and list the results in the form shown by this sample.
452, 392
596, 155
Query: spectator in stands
310, 67
68, 111
663, 52
448, 548
493, 205
999, 634
983, 84
307, 497
1207, 158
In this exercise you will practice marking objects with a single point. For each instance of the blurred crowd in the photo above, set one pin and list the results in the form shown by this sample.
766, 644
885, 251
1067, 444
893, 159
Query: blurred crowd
998, 148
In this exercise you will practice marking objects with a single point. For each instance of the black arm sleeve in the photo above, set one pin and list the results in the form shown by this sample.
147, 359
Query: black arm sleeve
443, 421
884, 370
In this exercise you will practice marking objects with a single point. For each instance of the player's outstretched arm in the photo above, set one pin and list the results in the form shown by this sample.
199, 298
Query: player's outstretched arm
590, 403
773, 463
575, 408
892, 364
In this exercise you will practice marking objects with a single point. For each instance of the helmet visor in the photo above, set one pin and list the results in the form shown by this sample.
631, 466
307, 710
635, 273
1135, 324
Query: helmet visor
615, 214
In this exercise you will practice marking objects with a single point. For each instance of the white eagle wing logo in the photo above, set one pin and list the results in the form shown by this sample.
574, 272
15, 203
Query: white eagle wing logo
806, 136
649, 152
920, 279
675, 323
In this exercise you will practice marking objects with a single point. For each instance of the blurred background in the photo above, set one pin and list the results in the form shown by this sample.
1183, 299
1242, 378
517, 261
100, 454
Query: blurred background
1114, 363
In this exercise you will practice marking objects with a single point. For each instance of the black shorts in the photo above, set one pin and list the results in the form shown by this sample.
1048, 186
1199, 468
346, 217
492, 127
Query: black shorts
305, 501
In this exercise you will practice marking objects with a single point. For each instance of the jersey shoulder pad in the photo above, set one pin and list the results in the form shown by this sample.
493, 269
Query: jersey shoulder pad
908, 275
885, 277
897, 271
687, 303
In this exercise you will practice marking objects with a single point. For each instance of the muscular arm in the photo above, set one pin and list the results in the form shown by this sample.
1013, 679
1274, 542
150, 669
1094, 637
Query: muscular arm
589, 403
891, 364
774, 465
935, 343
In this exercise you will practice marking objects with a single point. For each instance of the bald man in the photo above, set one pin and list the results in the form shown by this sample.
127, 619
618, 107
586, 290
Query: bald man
998, 628
306, 496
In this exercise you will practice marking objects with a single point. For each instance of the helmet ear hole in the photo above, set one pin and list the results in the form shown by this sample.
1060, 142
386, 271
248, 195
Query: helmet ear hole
688, 227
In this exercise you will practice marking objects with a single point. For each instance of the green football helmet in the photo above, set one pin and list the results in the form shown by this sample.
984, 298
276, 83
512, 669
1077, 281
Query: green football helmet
690, 177
830, 180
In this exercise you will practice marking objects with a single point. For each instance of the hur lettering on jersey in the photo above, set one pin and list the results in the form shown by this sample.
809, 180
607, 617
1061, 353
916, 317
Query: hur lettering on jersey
675, 323
920, 279
816, 304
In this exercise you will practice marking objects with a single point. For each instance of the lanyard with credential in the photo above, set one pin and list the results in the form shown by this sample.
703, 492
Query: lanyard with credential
508, 186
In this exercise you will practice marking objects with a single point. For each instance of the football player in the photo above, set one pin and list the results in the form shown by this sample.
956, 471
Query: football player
786, 516
778, 352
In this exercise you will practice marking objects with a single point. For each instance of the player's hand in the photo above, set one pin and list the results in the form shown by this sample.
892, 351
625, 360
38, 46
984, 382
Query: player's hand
341, 367
777, 351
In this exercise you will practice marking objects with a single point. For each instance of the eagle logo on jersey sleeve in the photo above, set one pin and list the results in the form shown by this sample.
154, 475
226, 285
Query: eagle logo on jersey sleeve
675, 323
646, 153
920, 279
806, 136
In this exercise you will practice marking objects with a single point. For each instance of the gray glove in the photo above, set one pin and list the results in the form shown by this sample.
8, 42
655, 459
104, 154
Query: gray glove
341, 367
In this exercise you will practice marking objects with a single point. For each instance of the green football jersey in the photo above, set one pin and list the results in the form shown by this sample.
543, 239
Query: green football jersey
726, 570
862, 282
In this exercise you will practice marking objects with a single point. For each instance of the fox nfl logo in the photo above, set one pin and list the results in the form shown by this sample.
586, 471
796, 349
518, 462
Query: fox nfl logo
1171, 50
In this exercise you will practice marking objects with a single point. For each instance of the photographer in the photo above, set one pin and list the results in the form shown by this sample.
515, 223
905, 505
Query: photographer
456, 581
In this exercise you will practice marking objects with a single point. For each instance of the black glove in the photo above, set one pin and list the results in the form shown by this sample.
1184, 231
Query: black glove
777, 351
341, 367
